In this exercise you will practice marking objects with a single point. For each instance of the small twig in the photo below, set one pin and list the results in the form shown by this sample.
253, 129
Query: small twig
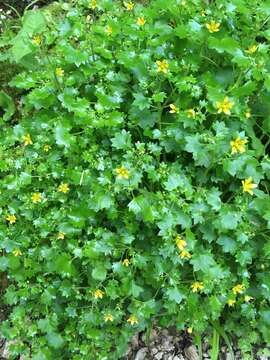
81, 180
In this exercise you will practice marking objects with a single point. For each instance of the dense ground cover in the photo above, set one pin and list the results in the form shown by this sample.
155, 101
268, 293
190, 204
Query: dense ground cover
135, 175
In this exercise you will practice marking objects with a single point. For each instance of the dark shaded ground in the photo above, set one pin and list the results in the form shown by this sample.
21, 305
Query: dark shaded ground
169, 344
20, 5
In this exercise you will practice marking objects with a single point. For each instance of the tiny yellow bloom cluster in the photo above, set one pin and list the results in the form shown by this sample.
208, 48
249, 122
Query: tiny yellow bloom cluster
27, 140
126, 262
190, 330
93, 4
173, 109
181, 243
46, 147
213, 26
98, 294
163, 66
17, 252
108, 317
132, 320
129, 5
185, 254
197, 286
238, 289
37, 40
122, 172
248, 298
224, 106
231, 302
108, 30
11, 218
191, 113
141, 21
64, 188
252, 49
61, 235
36, 197
59, 72
238, 145
248, 186
247, 115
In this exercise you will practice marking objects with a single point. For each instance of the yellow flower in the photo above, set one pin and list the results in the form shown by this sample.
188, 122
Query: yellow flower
132, 320
27, 140
93, 4
203, 13
59, 72
61, 235
108, 30
36, 197
231, 302
126, 262
64, 188
141, 21
238, 145
224, 106
11, 219
173, 109
162, 66
108, 317
46, 147
17, 252
191, 113
122, 172
98, 294
248, 186
238, 289
247, 114
248, 298
189, 330
252, 49
37, 40
129, 5
213, 26
197, 286
185, 254
181, 243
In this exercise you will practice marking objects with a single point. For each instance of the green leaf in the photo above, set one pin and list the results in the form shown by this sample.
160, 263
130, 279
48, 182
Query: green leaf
174, 180
122, 140
34, 22
140, 205
213, 199
55, 340
3, 263
198, 150
141, 101
226, 44
99, 273
62, 136
228, 219
101, 200
228, 244
175, 295
22, 46
202, 262
7, 104
135, 289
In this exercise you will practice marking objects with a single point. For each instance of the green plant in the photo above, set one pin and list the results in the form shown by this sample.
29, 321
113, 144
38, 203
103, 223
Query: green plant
135, 175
